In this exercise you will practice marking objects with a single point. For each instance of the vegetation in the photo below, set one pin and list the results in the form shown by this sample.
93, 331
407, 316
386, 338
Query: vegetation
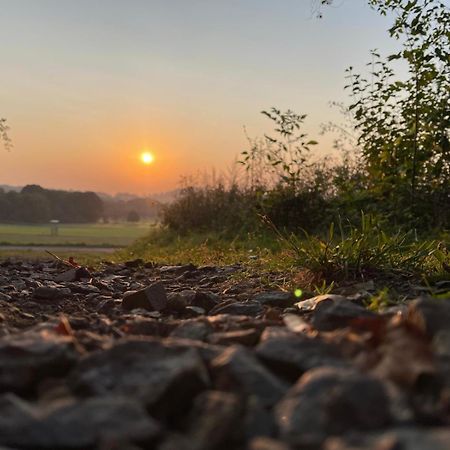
98, 235
386, 197
35, 204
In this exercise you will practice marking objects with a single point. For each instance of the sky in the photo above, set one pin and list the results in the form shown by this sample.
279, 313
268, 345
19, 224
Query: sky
87, 85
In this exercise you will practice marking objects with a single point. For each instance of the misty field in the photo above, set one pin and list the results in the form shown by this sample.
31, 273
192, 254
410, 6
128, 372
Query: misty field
99, 235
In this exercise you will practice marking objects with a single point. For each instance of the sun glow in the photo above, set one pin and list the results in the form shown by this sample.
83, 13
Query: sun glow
147, 157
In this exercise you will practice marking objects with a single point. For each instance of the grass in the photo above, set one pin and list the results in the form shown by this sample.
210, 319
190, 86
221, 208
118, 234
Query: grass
98, 235
85, 258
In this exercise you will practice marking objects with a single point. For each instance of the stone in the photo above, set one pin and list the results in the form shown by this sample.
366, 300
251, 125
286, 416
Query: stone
50, 293
196, 329
311, 303
237, 369
5, 297
292, 355
152, 298
75, 424
238, 309
434, 314
162, 375
28, 358
278, 299
331, 401
215, 420
330, 314
74, 274
265, 443
248, 337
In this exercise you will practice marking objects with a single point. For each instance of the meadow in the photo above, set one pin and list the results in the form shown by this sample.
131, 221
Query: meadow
89, 235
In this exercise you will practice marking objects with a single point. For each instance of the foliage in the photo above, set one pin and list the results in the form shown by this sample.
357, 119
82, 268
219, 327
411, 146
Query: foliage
364, 251
284, 156
35, 204
403, 126
4, 136
133, 216
212, 208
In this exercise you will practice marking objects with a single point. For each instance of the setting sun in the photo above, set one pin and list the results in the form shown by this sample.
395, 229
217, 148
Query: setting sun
147, 158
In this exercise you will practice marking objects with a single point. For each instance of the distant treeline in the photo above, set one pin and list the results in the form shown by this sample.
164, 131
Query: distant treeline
34, 204
142, 208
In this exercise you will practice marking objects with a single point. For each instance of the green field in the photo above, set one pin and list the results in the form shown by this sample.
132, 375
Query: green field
95, 235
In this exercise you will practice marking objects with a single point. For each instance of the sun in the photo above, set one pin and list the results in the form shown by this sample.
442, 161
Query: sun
147, 157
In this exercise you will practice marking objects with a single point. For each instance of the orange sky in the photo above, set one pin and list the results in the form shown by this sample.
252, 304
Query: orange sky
86, 86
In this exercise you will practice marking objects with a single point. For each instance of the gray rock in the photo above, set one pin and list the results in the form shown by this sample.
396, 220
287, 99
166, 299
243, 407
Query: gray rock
95, 421
161, 374
330, 314
238, 309
50, 293
434, 313
331, 401
239, 370
152, 298
279, 299
292, 355
196, 329
28, 358
248, 337
215, 420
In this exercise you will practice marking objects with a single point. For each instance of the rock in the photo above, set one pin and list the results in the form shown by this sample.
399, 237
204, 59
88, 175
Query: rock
204, 299
292, 355
434, 314
237, 369
145, 326
152, 298
28, 358
50, 293
74, 274
196, 329
265, 443
279, 299
407, 438
332, 313
258, 420
164, 376
176, 303
331, 401
96, 421
133, 263
247, 337
238, 309
311, 303
215, 420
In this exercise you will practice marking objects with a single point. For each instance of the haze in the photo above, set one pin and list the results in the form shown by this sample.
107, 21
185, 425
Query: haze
87, 86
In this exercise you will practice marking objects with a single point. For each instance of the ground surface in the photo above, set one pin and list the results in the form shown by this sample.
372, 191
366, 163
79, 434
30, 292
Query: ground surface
73, 234
148, 356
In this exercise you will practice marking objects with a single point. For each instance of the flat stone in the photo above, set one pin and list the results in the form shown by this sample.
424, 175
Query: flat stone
330, 314
238, 309
196, 329
331, 401
248, 337
433, 313
28, 358
50, 293
237, 369
215, 420
278, 299
292, 355
80, 425
152, 298
160, 374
